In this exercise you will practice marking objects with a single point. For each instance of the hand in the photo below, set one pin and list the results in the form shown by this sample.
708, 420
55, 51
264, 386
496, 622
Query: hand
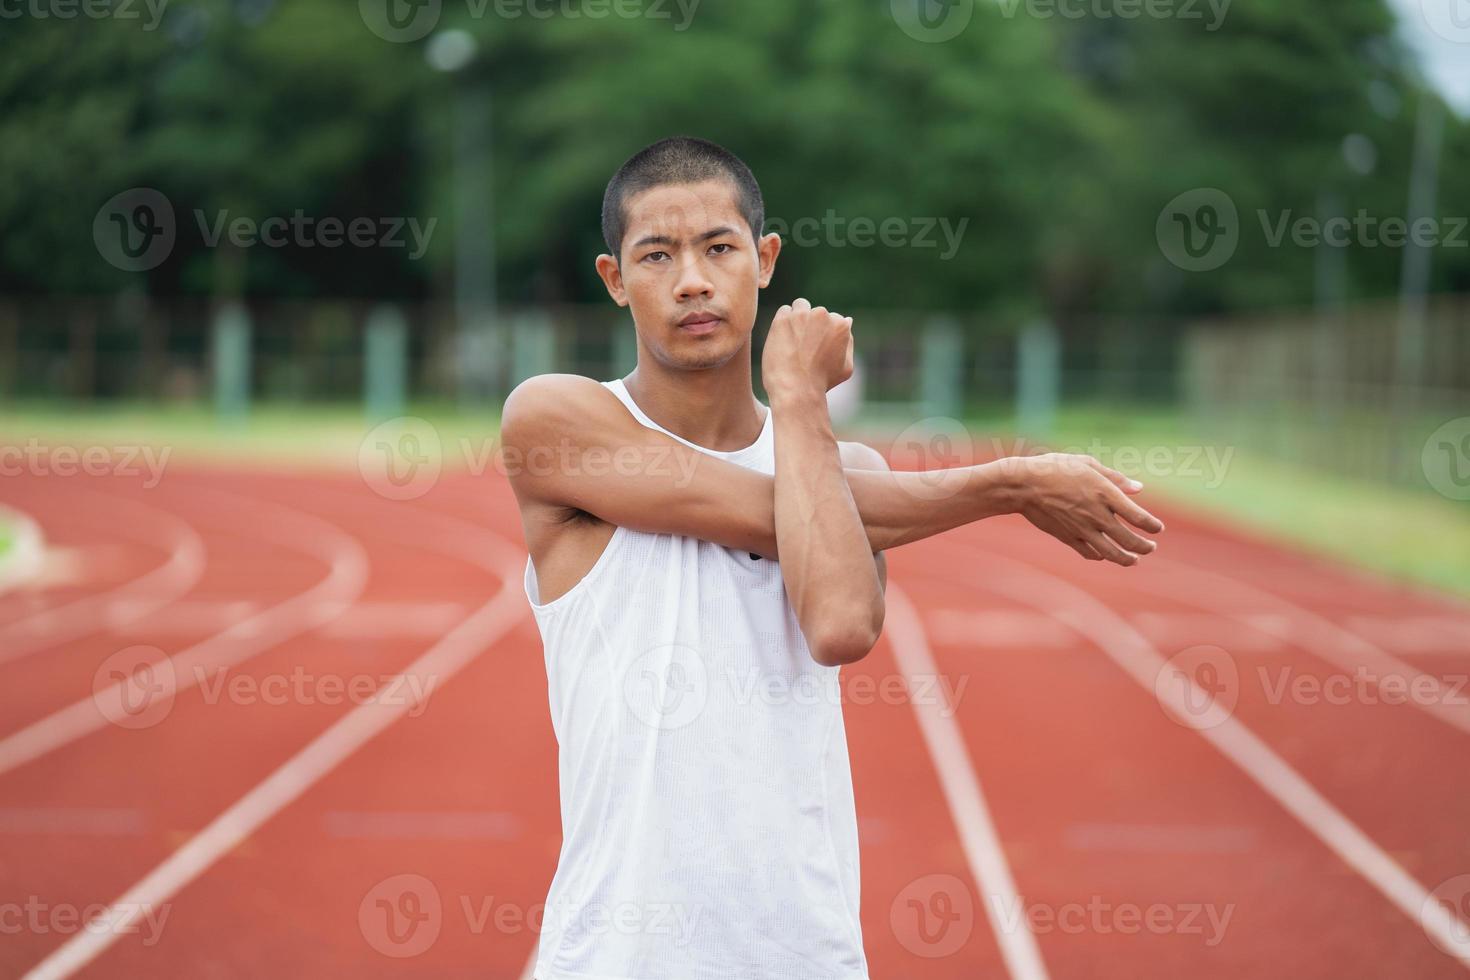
1083, 504
808, 350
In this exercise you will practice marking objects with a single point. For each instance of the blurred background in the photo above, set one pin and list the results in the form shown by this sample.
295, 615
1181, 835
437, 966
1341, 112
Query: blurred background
285, 248
1235, 222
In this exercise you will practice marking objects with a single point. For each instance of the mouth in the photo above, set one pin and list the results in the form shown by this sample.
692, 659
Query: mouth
700, 323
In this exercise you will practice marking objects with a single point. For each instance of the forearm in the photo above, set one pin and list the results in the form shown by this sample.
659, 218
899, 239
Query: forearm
826, 557
899, 508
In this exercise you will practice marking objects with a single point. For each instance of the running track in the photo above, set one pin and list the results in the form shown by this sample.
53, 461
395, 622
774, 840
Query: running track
1205, 766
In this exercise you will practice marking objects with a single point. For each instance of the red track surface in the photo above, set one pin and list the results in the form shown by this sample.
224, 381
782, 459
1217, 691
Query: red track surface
1124, 829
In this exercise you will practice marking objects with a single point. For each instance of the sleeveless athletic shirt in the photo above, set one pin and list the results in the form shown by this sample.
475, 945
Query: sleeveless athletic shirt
708, 826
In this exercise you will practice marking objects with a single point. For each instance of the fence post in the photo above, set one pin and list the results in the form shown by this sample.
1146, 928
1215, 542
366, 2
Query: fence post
941, 368
9, 351
231, 362
385, 362
625, 347
532, 346
1038, 357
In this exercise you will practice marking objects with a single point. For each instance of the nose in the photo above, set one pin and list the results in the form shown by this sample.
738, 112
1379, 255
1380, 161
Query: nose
693, 282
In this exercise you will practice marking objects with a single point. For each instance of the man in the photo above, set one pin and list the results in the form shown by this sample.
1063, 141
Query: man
697, 561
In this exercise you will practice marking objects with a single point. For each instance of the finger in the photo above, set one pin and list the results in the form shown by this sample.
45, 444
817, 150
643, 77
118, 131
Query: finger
1126, 538
1112, 552
1085, 550
1125, 483
1135, 515
801, 304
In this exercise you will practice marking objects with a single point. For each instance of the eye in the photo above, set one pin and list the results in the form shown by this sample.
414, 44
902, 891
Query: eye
722, 247
653, 256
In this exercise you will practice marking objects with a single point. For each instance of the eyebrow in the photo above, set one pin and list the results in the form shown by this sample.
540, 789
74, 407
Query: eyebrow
666, 240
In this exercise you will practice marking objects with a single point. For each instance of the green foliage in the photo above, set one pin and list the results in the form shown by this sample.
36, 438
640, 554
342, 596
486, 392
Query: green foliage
1055, 140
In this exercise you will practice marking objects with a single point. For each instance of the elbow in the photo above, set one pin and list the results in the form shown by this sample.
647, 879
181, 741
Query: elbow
847, 639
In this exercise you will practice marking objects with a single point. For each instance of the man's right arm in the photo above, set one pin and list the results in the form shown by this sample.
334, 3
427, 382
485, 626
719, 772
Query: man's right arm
568, 442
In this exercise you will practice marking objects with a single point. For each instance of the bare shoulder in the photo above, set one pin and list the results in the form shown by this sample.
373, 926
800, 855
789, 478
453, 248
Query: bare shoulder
547, 401
861, 456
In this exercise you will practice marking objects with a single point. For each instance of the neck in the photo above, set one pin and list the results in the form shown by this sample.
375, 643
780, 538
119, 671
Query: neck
715, 408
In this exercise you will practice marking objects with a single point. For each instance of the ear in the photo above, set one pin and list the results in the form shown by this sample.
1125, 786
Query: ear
768, 248
612, 278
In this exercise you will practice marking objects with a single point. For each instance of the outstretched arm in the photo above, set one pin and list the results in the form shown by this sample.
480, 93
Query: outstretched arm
567, 441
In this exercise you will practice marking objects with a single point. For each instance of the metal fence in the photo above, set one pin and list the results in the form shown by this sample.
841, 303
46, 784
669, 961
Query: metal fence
1347, 390
131, 347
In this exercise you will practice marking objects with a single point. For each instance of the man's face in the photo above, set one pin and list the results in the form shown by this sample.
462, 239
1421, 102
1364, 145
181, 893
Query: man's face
691, 271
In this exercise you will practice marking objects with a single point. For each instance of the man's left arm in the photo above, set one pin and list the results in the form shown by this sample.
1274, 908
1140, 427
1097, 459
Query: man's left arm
859, 456
826, 559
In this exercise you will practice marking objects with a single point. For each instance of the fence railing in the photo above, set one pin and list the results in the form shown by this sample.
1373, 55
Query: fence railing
132, 347
1330, 389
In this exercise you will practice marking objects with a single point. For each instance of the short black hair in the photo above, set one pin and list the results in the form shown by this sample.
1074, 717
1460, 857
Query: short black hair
677, 160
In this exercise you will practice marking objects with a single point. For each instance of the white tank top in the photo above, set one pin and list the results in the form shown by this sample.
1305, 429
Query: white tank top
707, 813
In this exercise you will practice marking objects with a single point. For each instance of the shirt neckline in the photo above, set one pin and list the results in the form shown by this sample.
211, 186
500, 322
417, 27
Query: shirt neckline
627, 399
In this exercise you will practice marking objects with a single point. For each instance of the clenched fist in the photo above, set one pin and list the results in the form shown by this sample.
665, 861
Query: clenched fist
809, 350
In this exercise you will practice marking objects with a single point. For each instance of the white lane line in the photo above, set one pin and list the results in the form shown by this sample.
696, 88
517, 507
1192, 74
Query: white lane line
364, 620
75, 820
1131, 650
151, 590
999, 630
1178, 630
961, 785
186, 617
1318, 635
373, 620
303, 770
1416, 635
1153, 838
422, 825
22, 560
287, 527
